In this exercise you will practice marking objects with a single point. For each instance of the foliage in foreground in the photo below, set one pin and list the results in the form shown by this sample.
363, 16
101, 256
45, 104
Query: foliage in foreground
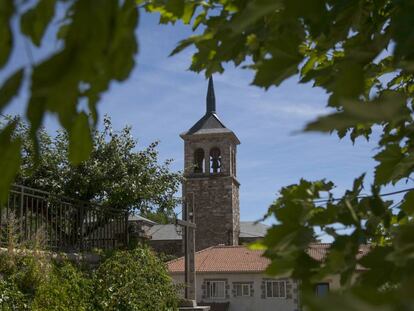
133, 280
361, 52
94, 45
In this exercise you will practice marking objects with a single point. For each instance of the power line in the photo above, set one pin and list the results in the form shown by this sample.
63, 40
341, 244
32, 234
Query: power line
364, 196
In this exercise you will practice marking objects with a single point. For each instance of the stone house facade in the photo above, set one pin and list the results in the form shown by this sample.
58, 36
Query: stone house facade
232, 278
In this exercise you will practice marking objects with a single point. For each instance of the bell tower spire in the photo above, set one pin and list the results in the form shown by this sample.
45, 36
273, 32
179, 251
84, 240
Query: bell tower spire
211, 98
210, 187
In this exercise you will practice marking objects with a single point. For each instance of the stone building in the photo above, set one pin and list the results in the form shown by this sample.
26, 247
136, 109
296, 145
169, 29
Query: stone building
233, 278
211, 188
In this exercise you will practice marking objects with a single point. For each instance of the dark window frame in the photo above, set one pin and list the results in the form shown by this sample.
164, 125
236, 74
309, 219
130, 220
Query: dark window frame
318, 293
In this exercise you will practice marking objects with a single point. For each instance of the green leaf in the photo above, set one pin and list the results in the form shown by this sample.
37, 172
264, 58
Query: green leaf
393, 164
189, 41
99, 46
401, 25
176, 7
10, 88
188, 12
408, 203
199, 19
254, 11
9, 159
6, 36
349, 82
80, 141
274, 71
34, 21
391, 107
389, 159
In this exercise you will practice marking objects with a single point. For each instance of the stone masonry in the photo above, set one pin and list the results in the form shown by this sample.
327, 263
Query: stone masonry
214, 195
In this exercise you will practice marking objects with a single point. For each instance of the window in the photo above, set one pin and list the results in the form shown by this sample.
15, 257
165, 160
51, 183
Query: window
215, 160
216, 289
199, 161
275, 289
242, 289
322, 289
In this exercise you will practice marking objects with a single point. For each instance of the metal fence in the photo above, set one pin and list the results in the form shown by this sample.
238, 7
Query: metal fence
60, 224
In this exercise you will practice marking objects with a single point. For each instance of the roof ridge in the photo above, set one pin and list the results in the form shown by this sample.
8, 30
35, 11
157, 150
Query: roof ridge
182, 257
229, 246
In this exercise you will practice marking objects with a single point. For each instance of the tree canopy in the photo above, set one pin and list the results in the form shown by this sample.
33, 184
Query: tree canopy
116, 174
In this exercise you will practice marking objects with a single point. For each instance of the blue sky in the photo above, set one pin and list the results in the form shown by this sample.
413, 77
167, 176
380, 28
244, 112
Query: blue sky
162, 98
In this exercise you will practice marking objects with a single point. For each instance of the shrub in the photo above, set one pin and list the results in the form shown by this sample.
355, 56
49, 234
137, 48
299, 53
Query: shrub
25, 270
11, 298
134, 281
44, 284
65, 289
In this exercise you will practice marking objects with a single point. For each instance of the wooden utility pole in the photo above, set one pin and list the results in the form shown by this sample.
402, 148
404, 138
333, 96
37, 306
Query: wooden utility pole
189, 247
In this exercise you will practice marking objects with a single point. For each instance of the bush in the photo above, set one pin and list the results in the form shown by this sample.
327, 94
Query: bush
11, 298
26, 270
65, 289
134, 281
45, 284
126, 281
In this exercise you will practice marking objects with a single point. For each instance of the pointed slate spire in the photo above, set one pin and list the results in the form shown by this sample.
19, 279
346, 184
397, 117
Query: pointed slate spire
211, 99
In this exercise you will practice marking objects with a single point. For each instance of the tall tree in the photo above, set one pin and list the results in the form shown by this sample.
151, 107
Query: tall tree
116, 173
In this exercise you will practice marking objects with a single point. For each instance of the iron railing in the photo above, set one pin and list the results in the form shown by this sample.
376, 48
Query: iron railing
60, 223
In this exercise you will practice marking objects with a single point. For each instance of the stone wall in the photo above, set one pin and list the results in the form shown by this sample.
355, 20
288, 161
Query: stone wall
214, 215
168, 247
213, 196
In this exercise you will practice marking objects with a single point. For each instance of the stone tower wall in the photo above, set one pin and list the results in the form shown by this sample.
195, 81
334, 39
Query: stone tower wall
207, 143
215, 195
216, 211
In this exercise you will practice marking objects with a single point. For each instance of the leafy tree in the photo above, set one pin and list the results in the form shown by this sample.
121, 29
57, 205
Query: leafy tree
115, 175
362, 54
134, 281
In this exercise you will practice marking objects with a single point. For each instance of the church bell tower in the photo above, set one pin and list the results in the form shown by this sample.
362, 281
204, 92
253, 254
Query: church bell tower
210, 188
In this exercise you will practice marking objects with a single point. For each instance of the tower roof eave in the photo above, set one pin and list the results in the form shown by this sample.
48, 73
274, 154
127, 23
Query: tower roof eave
210, 133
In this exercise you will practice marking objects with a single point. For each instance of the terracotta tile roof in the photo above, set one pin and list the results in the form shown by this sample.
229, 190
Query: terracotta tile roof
242, 259
319, 251
224, 259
